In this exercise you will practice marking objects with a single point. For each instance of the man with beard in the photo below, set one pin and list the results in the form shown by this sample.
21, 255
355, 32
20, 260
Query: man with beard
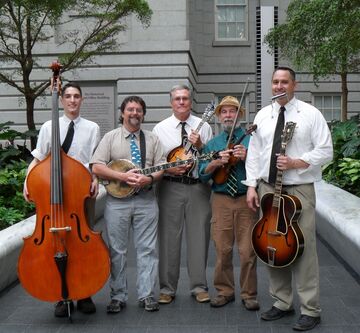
232, 220
139, 211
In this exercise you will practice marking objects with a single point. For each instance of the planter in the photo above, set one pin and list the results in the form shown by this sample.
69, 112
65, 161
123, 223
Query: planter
338, 222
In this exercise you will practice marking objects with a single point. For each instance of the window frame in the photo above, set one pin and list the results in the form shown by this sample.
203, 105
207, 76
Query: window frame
325, 110
246, 22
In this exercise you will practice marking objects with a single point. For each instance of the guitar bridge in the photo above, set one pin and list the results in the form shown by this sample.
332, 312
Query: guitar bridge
271, 251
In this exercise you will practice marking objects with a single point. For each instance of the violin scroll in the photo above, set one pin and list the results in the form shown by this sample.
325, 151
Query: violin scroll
56, 80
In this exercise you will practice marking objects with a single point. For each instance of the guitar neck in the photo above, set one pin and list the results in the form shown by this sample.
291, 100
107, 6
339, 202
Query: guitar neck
279, 181
155, 168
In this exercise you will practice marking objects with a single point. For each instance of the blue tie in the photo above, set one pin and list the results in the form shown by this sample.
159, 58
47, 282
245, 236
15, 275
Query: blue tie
135, 152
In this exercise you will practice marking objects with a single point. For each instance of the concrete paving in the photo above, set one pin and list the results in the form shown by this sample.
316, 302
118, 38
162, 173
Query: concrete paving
340, 300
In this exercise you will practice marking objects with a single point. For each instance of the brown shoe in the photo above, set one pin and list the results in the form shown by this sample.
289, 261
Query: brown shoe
202, 297
221, 300
165, 299
251, 304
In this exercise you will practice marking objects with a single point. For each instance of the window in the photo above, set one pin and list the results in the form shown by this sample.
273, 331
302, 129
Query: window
231, 20
329, 105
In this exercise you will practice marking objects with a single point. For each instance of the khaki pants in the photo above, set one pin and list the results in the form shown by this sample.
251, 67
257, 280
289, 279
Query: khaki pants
233, 221
305, 269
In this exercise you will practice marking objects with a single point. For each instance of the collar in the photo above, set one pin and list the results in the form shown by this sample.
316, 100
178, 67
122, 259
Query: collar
176, 122
288, 106
128, 133
67, 120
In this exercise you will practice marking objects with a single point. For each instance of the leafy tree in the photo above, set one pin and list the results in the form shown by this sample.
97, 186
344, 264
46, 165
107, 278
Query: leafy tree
321, 36
92, 29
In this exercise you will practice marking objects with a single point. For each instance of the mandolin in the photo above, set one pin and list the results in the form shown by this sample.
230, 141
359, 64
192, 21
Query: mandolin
277, 238
186, 150
120, 189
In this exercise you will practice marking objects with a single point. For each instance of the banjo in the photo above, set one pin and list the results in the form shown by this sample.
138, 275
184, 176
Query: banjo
119, 189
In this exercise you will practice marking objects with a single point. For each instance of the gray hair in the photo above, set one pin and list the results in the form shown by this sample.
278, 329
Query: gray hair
180, 87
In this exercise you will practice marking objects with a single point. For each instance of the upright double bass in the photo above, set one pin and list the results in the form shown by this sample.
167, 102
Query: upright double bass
63, 259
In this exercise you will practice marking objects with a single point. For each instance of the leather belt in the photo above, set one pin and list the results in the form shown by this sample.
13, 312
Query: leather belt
237, 195
183, 180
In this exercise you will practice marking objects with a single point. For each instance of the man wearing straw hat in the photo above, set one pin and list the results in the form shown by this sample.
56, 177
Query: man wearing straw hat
232, 220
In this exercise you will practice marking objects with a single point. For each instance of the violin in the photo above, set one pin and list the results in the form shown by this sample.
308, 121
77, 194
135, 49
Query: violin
63, 259
221, 175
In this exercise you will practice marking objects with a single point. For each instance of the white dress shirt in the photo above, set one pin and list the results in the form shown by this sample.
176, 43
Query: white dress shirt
169, 131
311, 143
86, 139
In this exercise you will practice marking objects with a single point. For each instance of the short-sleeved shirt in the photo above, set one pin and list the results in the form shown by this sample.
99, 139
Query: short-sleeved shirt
115, 145
85, 140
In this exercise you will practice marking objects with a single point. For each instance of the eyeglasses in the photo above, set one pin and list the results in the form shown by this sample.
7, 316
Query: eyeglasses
131, 110
179, 99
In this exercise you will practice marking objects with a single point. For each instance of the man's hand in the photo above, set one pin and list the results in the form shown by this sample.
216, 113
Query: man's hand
223, 159
180, 170
136, 180
195, 139
94, 188
284, 162
252, 199
239, 152
26, 193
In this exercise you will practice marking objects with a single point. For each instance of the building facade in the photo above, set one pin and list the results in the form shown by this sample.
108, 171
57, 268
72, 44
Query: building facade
215, 46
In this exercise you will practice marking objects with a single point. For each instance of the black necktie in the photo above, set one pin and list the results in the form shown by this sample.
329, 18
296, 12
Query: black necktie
276, 145
183, 131
69, 137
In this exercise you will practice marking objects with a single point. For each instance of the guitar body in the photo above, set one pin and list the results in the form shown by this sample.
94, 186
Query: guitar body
277, 238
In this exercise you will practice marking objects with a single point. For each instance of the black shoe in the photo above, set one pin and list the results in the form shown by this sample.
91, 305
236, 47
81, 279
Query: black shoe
115, 306
274, 313
149, 304
61, 309
86, 305
306, 323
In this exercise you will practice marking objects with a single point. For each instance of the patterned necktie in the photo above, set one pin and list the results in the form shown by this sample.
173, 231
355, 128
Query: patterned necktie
135, 152
183, 131
231, 183
276, 145
69, 137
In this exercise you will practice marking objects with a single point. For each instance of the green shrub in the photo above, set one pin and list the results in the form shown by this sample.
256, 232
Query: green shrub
9, 151
13, 207
344, 170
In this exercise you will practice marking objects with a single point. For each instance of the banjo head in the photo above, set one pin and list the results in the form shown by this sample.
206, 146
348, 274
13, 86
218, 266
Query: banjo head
120, 189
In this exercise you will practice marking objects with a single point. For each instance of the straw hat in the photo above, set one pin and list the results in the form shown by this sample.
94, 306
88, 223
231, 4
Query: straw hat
228, 100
